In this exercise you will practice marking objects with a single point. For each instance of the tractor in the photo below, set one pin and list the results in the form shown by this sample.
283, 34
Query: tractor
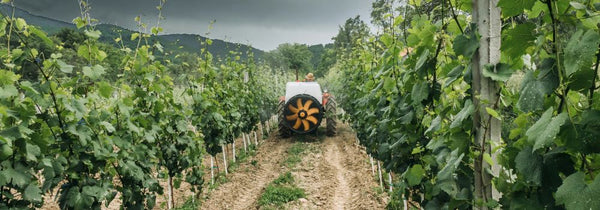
303, 108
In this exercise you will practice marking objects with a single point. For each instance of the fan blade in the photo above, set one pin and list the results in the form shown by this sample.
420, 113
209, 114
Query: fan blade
297, 125
299, 103
293, 109
312, 119
307, 104
312, 111
291, 117
306, 125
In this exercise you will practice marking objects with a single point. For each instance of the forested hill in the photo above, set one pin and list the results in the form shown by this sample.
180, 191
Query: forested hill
171, 42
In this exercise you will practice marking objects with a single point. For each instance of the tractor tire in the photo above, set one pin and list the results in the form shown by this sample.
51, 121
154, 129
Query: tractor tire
284, 131
331, 114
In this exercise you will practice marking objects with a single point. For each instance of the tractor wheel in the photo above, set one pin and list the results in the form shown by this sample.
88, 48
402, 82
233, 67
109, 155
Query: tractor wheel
284, 131
331, 111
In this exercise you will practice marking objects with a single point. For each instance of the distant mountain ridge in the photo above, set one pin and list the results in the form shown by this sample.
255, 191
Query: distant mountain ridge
171, 42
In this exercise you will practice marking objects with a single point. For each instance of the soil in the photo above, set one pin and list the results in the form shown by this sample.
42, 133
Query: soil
334, 172
244, 186
338, 176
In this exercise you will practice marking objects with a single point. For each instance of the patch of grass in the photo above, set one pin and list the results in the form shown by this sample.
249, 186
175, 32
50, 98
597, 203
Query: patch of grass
377, 190
291, 161
190, 204
294, 154
254, 163
280, 194
220, 178
286, 178
280, 191
297, 148
242, 156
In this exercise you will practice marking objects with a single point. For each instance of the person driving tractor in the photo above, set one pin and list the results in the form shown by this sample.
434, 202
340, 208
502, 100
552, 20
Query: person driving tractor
309, 78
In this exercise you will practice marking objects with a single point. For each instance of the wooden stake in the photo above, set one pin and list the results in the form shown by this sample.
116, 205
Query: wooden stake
372, 166
170, 193
233, 149
255, 138
380, 177
268, 127
224, 159
245, 146
260, 126
212, 173
391, 183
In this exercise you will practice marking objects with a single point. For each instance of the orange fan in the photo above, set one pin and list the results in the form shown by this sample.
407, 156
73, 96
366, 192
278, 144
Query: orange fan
303, 114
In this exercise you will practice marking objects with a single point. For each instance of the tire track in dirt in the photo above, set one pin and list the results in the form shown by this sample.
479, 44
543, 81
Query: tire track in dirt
337, 175
342, 191
245, 186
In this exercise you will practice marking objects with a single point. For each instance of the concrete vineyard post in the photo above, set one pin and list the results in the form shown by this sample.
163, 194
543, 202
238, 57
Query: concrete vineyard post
390, 181
260, 127
170, 202
249, 138
225, 159
380, 176
212, 173
255, 138
485, 94
372, 166
244, 139
267, 127
233, 149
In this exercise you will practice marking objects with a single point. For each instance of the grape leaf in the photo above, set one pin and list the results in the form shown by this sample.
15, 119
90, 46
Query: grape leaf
536, 85
493, 113
466, 111
445, 176
420, 91
499, 72
389, 84
514, 7
454, 74
94, 72
105, 89
531, 97
465, 46
415, 175
529, 165
8, 91
32, 193
422, 59
16, 176
42, 35
94, 34
32, 152
580, 50
435, 125
543, 132
574, 193
518, 39
66, 68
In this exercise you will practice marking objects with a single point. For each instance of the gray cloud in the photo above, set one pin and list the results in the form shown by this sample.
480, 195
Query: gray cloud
262, 23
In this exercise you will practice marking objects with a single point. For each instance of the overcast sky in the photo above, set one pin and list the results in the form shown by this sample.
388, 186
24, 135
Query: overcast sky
262, 23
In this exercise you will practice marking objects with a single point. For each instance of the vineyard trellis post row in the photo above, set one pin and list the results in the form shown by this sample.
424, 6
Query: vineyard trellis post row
486, 129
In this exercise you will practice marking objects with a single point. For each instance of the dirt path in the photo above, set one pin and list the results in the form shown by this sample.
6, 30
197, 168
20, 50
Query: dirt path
245, 186
342, 191
337, 175
334, 172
